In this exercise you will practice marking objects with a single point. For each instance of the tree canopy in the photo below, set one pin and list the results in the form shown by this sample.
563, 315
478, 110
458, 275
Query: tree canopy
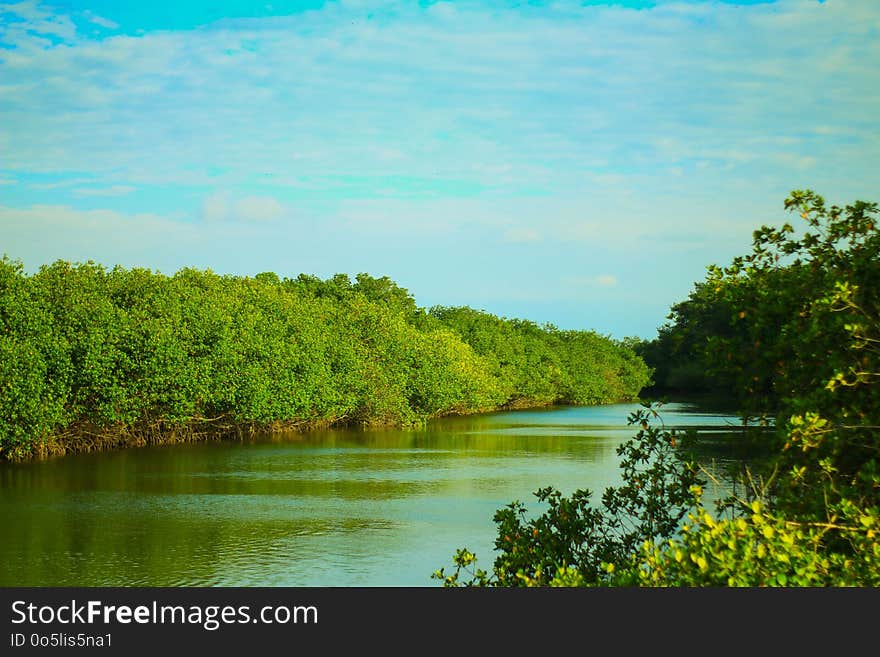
92, 357
792, 331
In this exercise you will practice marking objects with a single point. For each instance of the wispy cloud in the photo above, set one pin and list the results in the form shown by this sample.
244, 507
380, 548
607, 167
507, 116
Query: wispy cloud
516, 100
522, 235
43, 233
220, 207
100, 21
114, 190
592, 130
599, 280
35, 23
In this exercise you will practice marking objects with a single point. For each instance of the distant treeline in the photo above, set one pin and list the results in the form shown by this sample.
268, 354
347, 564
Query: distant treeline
92, 357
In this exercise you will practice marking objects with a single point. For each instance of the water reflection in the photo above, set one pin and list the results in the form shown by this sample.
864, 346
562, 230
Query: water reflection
329, 508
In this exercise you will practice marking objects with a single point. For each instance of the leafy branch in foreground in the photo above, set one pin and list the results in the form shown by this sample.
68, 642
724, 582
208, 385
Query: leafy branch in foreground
793, 327
761, 548
582, 541
815, 340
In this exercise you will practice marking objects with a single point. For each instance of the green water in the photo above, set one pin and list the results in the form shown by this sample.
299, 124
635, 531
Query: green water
329, 508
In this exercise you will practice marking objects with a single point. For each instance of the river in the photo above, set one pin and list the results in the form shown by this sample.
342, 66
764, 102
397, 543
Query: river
324, 508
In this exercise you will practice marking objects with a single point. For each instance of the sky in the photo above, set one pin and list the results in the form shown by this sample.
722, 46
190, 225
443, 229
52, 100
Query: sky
572, 163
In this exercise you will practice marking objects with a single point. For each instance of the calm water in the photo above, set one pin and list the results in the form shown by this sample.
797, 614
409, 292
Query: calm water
331, 508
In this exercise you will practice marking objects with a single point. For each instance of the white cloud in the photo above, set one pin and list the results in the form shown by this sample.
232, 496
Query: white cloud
40, 234
600, 280
62, 183
220, 207
100, 21
516, 100
215, 208
43, 233
114, 190
28, 10
522, 235
66, 216
666, 134
579, 231
36, 20
422, 218
258, 208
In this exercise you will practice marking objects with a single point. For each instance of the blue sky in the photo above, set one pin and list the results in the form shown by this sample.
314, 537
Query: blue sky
573, 163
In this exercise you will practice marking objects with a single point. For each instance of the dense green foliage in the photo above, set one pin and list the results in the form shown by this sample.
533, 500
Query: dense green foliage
680, 356
544, 364
792, 329
91, 357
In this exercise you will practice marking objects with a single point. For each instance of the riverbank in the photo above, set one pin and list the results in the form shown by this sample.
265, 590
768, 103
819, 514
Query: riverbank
84, 437
92, 358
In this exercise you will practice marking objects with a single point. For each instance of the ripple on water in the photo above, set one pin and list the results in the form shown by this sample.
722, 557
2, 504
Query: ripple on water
336, 508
